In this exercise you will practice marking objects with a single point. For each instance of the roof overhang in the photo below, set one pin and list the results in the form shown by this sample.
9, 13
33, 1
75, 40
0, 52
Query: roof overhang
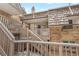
6, 7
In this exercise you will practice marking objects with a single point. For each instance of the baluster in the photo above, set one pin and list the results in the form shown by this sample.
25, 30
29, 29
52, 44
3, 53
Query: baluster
28, 53
46, 50
76, 50
11, 48
71, 50
8, 46
38, 47
54, 49
4, 43
66, 50
34, 47
31, 47
60, 50
17, 47
3, 40
41, 49
50, 51
22, 47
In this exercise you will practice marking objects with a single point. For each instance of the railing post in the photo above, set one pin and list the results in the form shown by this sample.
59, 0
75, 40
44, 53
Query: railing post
28, 53
60, 50
11, 52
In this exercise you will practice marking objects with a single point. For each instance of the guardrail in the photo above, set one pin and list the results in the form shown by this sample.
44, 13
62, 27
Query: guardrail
6, 40
44, 34
47, 48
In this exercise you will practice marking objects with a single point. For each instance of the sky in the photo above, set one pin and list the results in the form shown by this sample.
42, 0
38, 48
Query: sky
43, 6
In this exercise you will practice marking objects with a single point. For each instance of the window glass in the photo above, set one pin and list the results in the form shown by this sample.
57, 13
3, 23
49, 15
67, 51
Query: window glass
70, 21
72, 42
65, 41
69, 41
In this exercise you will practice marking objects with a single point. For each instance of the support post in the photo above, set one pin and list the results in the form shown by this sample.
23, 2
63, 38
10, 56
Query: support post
28, 53
11, 52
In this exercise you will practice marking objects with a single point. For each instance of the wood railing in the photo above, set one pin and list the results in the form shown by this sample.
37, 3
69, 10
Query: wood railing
44, 34
2, 52
31, 35
6, 40
13, 25
47, 48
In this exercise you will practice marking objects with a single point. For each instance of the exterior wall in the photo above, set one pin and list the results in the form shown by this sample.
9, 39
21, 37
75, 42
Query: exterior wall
57, 34
17, 18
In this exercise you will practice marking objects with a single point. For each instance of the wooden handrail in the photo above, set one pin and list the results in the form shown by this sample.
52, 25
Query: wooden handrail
49, 48
6, 40
45, 42
42, 33
29, 31
2, 52
7, 32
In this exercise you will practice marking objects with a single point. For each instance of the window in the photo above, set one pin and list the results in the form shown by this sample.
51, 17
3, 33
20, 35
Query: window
70, 21
72, 41
68, 41
39, 26
65, 41
68, 26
